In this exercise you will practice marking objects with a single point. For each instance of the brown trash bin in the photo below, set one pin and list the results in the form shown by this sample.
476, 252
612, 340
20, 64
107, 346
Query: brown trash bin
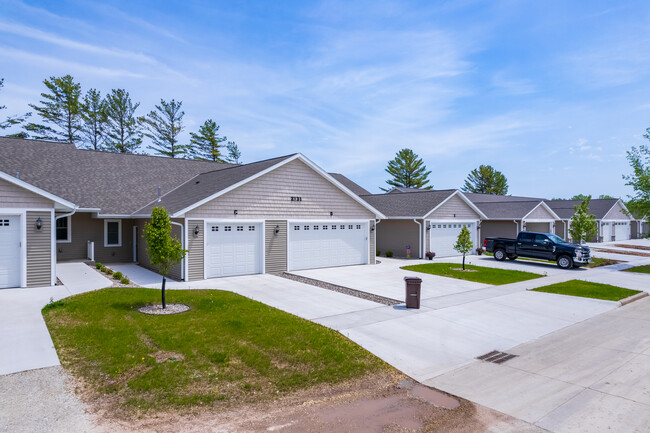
413, 285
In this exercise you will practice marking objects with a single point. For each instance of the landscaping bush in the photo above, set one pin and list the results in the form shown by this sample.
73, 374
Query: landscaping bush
479, 251
98, 265
430, 254
117, 275
125, 280
108, 271
378, 253
103, 269
389, 254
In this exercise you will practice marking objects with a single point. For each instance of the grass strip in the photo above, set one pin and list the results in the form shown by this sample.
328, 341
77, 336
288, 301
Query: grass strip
478, 274
644, 269
587, 289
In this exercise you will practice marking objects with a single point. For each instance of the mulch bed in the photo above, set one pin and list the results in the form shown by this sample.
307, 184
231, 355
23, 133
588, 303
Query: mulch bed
627, 253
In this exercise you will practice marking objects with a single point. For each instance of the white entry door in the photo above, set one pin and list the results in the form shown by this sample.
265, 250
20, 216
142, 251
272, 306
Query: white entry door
9, 251
443, 237
622, 231
233, 248
321, 245
607, 232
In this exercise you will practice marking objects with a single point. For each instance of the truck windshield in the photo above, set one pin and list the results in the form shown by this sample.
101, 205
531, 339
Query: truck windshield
556, 239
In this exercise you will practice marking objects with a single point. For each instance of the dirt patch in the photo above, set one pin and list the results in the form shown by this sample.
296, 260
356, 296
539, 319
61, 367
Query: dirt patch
376, 403
627, 253
633, 247
162, 356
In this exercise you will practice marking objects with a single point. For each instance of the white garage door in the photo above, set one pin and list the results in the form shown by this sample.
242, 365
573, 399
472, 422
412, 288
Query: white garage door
445, 235
9, 251
321, 245
233, 249
622, 230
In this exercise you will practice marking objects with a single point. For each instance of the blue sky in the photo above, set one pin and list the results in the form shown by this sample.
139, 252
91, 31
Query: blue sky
551, 93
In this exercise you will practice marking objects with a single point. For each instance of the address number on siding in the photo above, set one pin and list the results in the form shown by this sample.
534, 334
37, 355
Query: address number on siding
296, 198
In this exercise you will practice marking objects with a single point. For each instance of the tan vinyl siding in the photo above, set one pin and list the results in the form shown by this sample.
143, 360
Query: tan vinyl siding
270, 196
195, 247
540, 213
83, 228
395, 235
15, 196
454, 208
39, 249
498, 229
275, 246
143, 257
616, 213
373, 243
559, 229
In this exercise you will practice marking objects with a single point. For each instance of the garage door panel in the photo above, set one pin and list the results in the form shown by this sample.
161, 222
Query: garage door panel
9, 251
233, 249
443, 237
319, 245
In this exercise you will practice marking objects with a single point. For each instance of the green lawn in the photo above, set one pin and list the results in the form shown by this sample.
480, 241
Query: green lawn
227, 348
587, 289
645, 269
481, 274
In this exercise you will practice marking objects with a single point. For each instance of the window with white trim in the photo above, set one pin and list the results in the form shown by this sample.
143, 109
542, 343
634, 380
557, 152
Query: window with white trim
112, 233
63, 230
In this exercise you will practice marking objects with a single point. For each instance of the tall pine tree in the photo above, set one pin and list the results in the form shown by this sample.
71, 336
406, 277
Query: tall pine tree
12, 120
234, 155
123, 133
206, 144
93, 115
60, 110
486, 180
163, 126
408, 170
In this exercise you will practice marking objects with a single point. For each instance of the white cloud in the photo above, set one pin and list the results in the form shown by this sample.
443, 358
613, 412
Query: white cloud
512, 86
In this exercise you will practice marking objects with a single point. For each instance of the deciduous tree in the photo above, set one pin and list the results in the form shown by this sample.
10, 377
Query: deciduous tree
639, 180
163, 126
206, 144
582, 224
123, 134
408, 170
60, 110
464, 243
486, 180
164, 251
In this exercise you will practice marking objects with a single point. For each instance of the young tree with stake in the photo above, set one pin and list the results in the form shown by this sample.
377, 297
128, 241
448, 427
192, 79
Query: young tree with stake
583, 224
164, 250
464, 243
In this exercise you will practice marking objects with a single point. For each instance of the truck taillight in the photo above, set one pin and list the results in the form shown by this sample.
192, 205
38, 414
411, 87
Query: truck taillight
485, 242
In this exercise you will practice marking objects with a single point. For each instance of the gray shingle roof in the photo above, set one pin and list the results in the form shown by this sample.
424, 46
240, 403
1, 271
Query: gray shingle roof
349, 184
598, 206
399, 189
407, 204
491, 198
514, 209
205, 185
115, 183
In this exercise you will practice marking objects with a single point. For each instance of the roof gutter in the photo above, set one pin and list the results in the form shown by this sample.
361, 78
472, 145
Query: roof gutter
67, 214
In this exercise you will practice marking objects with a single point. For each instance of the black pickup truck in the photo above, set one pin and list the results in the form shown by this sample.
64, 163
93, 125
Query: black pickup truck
545, 246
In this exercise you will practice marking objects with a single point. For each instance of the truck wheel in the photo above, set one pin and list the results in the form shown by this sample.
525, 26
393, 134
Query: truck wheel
565, 262
512, 257
500, 254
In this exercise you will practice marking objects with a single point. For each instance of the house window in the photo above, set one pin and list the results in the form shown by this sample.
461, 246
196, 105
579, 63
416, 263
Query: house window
63, 230
112, 233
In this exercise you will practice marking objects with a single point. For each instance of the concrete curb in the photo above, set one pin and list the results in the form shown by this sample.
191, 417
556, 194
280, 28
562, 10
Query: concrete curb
633, 298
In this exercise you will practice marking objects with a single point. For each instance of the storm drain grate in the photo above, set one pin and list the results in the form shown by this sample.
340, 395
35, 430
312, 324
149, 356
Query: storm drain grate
496, 357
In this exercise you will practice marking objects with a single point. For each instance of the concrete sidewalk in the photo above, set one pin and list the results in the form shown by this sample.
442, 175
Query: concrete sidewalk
593, 376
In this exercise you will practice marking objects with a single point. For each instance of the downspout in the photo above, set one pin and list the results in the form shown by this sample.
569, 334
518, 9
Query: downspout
374, 233
517, 227
54, 248
419, 238
183, 244
67, 214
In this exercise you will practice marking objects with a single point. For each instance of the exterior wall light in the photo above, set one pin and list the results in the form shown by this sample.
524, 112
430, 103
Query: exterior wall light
39, 223
196, 230
428, 227
235, 212
331, 213
372, 228
277, 229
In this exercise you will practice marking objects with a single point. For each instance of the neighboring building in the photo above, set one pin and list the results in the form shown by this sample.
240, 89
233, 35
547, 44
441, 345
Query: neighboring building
424, 220
269, 216
614, 221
